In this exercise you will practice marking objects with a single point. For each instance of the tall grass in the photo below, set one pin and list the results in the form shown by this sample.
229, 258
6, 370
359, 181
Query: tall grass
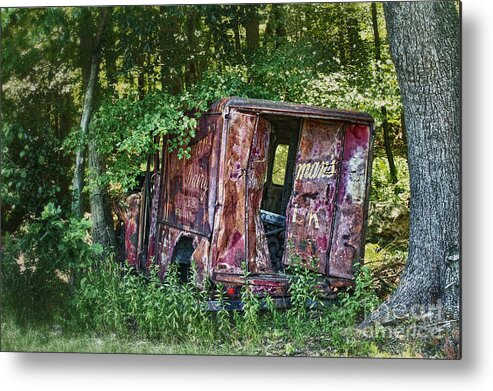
117, 310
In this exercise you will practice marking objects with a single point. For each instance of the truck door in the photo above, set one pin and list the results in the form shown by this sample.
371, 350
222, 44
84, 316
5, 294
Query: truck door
352, 202
327, 209
239, 235
310, 212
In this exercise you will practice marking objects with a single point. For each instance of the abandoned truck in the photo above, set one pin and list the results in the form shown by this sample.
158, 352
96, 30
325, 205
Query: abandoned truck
265, 182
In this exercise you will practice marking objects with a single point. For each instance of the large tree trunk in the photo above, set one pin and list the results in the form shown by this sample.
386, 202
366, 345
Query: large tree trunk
424, 40
1, 129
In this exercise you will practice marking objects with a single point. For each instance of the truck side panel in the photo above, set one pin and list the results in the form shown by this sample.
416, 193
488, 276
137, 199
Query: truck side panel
228, 245
188, 198
310, 213
350, 214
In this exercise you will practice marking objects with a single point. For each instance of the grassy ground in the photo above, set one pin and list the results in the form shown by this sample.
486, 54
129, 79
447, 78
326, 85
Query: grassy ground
39, 338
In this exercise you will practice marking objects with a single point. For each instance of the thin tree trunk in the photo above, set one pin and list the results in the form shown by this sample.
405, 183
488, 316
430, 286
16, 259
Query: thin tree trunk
236, 31
275, 30
252, 27
192, 68
425, 40
383, 109
78, 179
103, 232
169, 29
281, 31
110, 56
86, 44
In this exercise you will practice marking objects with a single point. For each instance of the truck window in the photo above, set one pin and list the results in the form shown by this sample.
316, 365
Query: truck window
280, 162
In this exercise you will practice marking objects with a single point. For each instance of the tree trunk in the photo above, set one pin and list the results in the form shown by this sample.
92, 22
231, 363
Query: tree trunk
236, 32
424, 40
78, 179
252, 27
1, 138
103, 232
275, 30
169, 29
192, 67
110, 55
383, 109
86, 44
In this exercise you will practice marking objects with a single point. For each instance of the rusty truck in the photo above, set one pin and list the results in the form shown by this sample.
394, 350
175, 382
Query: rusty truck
265, 182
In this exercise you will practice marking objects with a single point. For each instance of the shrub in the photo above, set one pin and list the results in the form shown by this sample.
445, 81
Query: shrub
40, 262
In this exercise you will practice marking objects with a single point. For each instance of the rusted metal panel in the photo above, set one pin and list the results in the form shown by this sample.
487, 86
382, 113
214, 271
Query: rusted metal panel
350, 214
169, 237
291, 109
131, 229
228, 247
311, 207
188, 199
258, 250
187, 189
151, 247
206, 209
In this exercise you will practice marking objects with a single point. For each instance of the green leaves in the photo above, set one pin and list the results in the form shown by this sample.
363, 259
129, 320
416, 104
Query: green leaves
51, 250
125, 130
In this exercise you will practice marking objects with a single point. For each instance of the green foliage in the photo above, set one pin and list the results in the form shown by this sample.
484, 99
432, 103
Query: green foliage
386, 265
39, 78
303, 287
389, 203
358, 303
125, 130
110, 299
38, 264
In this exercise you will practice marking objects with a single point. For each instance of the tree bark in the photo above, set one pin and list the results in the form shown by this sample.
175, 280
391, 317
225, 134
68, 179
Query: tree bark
275, 30
385, 123
78, 179
103, 232
192, 67
1, 138
169, 29
424, 40
86, 44
236, 32
252, 27
110, 55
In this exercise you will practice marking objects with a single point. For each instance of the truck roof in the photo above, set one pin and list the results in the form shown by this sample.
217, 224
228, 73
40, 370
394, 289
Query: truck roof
289, 109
